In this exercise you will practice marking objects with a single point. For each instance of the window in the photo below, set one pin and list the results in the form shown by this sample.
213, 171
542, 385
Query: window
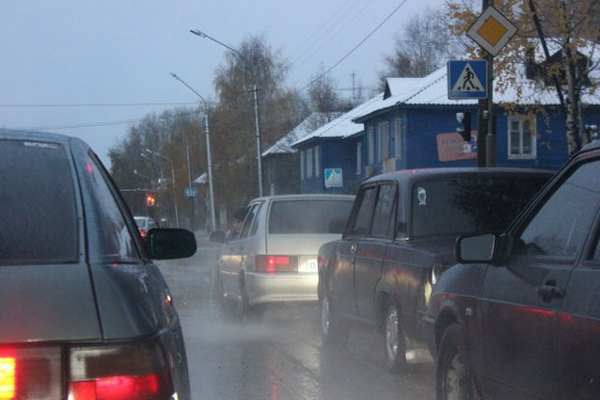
251, 222
302, 165
371, 145
470, 204
110, 235
521, 137
309, 164
362, 223
398, 138
384, 141
38, 223
358, 158
384, 211
560, 226
317, 161
308, 216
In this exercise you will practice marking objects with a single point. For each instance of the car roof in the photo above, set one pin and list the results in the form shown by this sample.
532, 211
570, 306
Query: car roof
412, 175
37, 136
311, 196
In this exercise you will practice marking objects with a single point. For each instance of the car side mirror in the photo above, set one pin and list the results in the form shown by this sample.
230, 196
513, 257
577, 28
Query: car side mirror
476, 248
170, 243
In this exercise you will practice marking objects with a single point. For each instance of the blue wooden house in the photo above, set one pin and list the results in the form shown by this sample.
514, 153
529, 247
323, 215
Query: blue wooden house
412, 124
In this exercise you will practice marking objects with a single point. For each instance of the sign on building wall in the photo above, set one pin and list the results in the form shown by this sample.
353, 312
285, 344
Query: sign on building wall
333, 177
452, 147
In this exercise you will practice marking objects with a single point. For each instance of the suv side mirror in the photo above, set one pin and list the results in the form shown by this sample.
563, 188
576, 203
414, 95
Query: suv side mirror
170, 243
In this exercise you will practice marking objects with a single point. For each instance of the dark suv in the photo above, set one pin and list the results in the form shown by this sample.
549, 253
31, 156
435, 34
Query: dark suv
84, 313
400, 236
519, 318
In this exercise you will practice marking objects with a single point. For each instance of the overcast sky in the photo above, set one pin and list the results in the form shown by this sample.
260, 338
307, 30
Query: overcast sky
91, 69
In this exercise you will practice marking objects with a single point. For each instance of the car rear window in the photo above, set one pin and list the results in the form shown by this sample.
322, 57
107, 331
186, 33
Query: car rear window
309, 216
470, 205
38, 211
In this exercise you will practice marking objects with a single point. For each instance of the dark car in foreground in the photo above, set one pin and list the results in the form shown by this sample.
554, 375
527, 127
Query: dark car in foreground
400, 237
519, 318
84, 312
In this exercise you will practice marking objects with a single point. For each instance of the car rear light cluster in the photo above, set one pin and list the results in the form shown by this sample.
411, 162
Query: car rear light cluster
275, 263
121, 372
31, 373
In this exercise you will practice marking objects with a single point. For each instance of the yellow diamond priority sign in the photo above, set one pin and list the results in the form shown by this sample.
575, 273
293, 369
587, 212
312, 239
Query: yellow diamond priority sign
492, 30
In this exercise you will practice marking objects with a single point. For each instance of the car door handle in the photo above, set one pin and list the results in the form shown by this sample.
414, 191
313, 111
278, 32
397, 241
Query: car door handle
550, 291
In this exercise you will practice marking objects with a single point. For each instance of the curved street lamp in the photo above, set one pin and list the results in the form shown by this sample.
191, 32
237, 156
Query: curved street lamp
255, 91
208, 153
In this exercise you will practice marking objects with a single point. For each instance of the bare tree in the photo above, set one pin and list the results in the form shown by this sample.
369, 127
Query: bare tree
422, 47
254, 63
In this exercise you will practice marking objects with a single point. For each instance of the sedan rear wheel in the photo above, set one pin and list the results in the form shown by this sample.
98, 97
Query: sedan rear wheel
454, 380
394, 339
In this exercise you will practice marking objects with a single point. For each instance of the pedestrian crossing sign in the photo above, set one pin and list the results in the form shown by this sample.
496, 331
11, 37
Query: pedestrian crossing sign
467, 79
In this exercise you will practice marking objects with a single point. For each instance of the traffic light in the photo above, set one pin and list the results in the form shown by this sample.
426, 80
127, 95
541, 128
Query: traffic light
464, 125
150, 199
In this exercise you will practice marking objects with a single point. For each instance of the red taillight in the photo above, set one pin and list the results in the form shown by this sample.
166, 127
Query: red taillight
119, 388
136, 371
276, 263
143, 233
8, 376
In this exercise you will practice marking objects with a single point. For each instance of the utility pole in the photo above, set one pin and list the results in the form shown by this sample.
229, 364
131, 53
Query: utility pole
490, 137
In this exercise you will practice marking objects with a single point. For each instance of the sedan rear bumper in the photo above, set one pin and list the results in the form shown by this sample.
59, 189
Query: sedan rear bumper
280, 287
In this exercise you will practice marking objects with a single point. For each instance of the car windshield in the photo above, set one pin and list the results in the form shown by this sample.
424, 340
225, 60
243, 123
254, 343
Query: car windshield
38, 214
309, 216
470, 205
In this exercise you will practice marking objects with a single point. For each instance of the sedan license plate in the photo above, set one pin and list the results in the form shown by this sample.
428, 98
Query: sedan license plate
308, 265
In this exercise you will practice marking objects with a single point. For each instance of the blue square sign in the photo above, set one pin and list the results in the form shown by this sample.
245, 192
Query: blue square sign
467, 79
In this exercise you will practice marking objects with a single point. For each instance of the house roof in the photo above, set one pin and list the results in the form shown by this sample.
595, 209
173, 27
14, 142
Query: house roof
312, 122
341, 127
432, 90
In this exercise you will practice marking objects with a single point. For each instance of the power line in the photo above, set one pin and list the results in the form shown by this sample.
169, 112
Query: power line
355, 47
66, 105
90, 125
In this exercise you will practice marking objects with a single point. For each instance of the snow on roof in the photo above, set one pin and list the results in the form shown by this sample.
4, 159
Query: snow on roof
312, 122
432, 90
342, 127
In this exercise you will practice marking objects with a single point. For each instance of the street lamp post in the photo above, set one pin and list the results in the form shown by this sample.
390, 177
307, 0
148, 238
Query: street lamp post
157, 154
256, 113
211, 195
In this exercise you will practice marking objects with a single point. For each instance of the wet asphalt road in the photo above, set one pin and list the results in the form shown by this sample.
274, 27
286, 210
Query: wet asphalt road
279, 356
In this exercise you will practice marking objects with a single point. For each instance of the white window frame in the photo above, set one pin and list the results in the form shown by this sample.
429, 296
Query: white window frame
398, 138
317, 161
520, 154
371, 145
384, 141
358, 158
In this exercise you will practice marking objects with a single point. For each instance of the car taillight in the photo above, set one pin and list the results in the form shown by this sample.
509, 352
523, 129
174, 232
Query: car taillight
31, 372
275, 263
8, 375
121, 372
143, 233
